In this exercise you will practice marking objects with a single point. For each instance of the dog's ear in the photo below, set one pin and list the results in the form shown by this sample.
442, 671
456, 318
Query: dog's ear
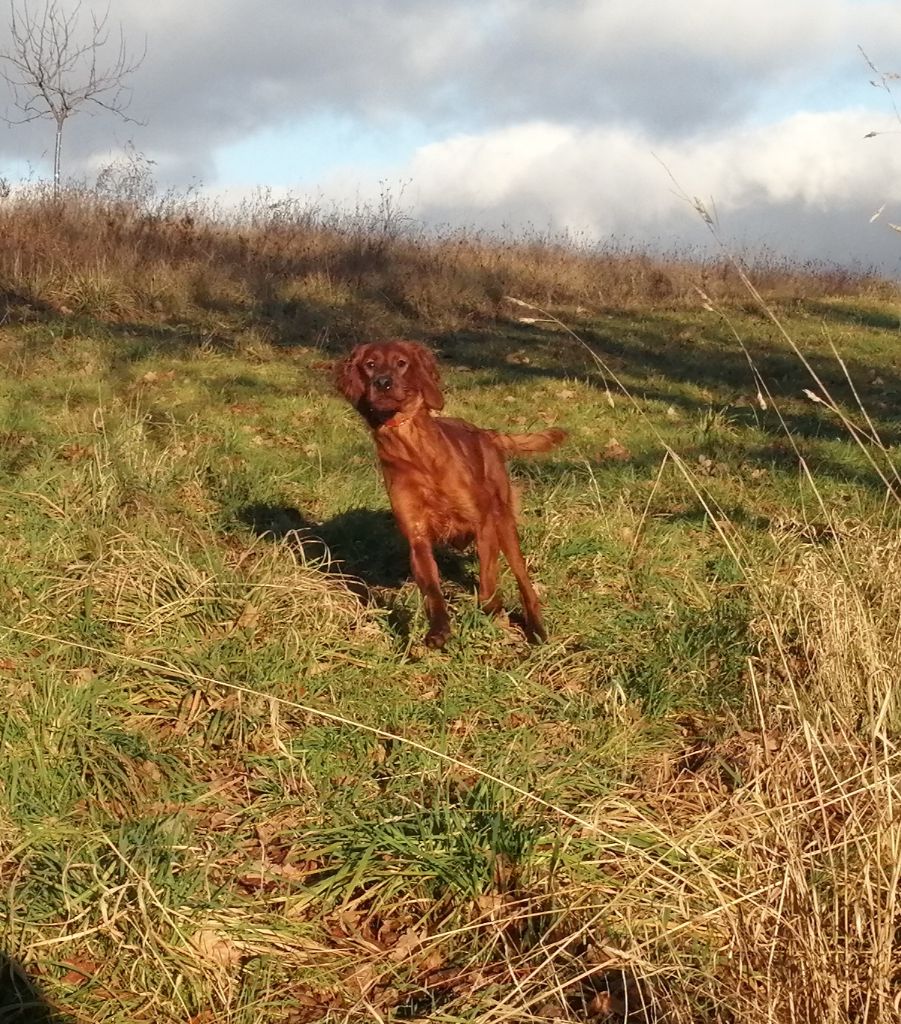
427, 376
348, 379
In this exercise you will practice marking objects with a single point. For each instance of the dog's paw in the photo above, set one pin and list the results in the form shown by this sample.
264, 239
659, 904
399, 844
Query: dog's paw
436, 638
535, 632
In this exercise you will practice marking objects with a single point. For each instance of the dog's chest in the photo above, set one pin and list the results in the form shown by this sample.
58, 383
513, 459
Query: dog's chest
431, 490
444, 501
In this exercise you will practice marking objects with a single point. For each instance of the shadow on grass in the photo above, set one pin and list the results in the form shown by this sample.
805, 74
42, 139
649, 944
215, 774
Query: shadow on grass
656, 355
361, 547
692, 365
16, 306
21, 1001
853, 314
656, 358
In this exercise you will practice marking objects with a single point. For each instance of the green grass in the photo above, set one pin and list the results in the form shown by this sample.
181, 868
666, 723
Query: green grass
496, 829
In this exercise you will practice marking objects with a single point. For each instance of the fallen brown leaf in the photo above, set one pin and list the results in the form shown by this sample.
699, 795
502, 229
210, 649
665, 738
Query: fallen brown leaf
216, 948
615, 452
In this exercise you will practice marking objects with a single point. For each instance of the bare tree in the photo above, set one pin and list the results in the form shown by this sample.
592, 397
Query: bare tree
54, 65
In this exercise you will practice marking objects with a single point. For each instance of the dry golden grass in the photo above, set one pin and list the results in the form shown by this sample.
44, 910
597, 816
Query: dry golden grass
309, 273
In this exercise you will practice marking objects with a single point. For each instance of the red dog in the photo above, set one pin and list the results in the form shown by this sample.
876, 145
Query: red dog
446, 479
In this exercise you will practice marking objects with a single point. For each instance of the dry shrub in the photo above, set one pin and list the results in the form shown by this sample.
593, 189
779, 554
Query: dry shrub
813, 938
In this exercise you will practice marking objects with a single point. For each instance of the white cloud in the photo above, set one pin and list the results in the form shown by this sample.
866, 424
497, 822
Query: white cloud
784, 184
816, 159
805, 187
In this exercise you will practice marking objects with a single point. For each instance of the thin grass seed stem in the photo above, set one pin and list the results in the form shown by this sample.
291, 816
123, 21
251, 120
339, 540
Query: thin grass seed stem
777, 323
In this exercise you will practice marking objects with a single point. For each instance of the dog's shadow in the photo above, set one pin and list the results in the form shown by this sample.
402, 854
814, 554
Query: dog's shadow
362, 547
21, 1000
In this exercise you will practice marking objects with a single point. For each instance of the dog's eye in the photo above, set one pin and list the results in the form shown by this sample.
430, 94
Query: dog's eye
369, 364
401, 363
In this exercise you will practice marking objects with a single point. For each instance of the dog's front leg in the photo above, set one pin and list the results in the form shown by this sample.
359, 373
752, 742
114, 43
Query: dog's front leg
425, 572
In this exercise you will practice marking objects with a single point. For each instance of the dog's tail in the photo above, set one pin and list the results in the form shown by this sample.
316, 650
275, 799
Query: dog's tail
529, 444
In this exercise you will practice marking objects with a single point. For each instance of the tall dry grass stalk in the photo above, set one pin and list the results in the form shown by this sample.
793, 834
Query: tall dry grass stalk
821, 827
786, 902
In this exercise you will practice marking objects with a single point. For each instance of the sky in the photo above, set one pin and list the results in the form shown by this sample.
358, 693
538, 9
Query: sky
600, 119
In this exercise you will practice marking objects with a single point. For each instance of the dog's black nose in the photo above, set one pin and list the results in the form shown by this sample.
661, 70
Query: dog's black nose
383, 383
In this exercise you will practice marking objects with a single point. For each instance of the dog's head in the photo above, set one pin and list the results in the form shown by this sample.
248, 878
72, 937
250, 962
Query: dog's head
383, 378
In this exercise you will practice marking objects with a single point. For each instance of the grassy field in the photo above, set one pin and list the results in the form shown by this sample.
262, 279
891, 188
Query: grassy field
235, 786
